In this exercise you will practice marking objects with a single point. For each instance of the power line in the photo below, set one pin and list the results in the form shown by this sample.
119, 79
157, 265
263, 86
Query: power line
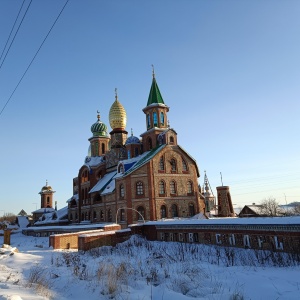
16, 33
33, 57
12, 29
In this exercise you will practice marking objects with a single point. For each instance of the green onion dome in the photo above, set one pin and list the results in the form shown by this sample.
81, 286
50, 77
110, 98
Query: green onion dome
99, 128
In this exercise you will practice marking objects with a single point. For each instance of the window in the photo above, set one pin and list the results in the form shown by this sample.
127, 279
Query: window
109, 216
101, 215
191, 209
184, 165
173, 165
122, 191
139, 188
189, 187
155, 119
96, 149
163, 212
171, 140
161, 165
172, 187
149, 143
122, 215
121, 168
148, 121
162, 189
95, 215
141, 214
162, 118
103, 148
136, 152
174, 211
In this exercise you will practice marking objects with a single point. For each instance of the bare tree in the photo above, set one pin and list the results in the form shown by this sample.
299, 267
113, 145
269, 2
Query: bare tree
270, 207
296, 210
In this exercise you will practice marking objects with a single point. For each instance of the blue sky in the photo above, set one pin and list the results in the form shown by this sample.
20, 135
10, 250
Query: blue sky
228, 70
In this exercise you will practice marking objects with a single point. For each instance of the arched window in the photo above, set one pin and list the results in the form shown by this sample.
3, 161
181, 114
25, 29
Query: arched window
96, 149
171, 140
184, 165
162, 118
191, 209
155, 119
148, 121
189, 187
109, 216
162, 189
136, 151
161, 165
139, 188
173, 165
122, 215
163, 212
121, 168
95, 215
149, 141
172, 187
122, 191
103, 148
141, 213
174, 211
101, 215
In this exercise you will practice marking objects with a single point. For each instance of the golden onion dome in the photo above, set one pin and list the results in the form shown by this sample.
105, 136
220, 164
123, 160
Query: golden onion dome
46, 188
117, 115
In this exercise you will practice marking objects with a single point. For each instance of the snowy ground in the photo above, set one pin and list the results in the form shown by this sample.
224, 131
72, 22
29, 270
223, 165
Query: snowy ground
142, 270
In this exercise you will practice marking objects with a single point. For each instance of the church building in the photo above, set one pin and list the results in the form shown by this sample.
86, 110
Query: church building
127, 180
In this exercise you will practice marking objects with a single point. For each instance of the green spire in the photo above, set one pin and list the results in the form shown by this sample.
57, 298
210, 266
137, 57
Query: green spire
155, 95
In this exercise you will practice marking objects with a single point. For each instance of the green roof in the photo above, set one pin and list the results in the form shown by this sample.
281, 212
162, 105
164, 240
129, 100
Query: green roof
155, 95
145, 159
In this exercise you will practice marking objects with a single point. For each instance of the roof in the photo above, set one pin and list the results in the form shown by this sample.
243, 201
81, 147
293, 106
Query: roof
144, 159
155, 95
101, 184
53, 216
92, 161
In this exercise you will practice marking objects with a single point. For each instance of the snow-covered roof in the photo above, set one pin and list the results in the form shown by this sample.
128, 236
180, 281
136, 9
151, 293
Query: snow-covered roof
43, 210
93, 161
53, 217
23, 221
102, 182
231, 221
74, 197
110, 187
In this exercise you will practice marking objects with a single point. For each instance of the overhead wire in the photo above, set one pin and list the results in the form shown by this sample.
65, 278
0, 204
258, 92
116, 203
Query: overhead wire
34, 57
12, 29
16, 33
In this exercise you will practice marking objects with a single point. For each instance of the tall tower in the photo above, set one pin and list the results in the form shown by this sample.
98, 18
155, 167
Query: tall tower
225, 207
156, 116
208, 195
46, 196
117, 121
100, 140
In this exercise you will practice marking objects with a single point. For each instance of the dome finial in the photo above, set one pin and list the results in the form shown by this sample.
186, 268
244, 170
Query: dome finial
153, 73
98, 115
116, 94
